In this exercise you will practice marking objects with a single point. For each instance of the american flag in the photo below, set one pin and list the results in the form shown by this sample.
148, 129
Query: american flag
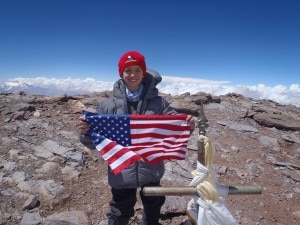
124, 139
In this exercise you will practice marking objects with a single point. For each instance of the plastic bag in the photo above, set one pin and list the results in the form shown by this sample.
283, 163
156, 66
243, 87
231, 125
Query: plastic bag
214, 213
208, 208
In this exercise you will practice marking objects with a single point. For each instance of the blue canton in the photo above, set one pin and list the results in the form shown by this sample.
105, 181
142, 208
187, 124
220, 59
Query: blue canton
113, 127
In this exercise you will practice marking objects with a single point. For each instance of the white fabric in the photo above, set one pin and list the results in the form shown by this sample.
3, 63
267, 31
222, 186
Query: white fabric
210, 212
211, 209
214, 213
199, 175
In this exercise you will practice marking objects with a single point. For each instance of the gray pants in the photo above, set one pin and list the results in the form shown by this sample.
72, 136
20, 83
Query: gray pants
122, 206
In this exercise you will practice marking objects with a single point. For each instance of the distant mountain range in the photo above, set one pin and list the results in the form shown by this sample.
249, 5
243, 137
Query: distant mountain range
17, 86
170, 85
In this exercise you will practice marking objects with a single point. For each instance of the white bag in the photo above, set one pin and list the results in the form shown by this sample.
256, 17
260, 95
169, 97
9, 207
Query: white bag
208, 208
205, 211
214, 213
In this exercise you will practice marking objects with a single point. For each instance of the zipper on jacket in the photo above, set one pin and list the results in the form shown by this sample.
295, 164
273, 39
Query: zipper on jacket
137, 173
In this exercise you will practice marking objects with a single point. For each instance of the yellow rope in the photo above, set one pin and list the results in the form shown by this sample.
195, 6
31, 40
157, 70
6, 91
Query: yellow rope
207, 189
207, 207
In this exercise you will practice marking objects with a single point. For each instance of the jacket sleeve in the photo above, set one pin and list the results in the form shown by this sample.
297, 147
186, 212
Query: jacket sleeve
167, 108
86, 141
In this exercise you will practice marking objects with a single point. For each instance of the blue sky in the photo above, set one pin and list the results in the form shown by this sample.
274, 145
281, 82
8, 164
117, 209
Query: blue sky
241, 41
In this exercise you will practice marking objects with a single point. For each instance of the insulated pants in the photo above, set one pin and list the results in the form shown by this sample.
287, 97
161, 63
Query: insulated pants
123, 201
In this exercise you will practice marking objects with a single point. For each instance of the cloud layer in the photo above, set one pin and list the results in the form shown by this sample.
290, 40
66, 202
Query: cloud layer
169, 85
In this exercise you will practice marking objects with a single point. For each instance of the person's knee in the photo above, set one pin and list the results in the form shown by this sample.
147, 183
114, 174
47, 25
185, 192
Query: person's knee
153, 202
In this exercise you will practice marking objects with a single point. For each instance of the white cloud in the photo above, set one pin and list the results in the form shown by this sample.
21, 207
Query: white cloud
66, 86
169, 85
279, 93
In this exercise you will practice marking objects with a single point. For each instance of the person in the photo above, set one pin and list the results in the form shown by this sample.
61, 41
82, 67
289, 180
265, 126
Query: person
134, 93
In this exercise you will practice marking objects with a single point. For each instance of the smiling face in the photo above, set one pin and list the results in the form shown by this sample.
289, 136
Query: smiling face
133, 76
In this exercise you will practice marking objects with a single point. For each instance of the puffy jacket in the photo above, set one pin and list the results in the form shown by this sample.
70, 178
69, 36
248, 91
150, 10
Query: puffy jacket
150, 103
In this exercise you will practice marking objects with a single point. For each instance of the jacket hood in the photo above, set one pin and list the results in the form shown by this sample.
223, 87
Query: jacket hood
119, 88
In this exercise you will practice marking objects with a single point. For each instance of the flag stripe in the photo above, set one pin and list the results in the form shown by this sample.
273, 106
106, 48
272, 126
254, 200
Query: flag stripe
124, 161
152, 137
138, 118
145, 153
155, 130
157, 125
108, 148
155, 158
165, 146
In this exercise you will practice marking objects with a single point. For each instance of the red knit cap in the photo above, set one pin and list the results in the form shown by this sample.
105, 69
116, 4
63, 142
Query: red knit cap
132, 58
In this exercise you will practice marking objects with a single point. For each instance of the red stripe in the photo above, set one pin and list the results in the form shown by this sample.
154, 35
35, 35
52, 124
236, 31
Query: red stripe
158, 117
156, 145
126, 163
117, 155
161, 151
161, 158
171, 127
108, 147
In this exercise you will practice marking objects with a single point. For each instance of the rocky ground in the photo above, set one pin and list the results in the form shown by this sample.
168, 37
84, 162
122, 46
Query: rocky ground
48, 177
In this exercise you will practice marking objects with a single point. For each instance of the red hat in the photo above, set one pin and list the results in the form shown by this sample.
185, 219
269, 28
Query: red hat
132, 58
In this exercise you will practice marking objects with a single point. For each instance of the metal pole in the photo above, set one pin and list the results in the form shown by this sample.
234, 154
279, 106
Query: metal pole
180, 191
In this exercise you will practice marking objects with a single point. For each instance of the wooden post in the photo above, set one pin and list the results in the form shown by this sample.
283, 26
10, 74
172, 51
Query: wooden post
202, 125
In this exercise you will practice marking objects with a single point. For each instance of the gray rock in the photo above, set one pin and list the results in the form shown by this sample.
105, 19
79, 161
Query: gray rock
238, 126
269, 142
54, 147
75, 217
31, 218
291, 138
30, 203
18, 176
280, 121
52, 193
48, 167
42, 152
9, 165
